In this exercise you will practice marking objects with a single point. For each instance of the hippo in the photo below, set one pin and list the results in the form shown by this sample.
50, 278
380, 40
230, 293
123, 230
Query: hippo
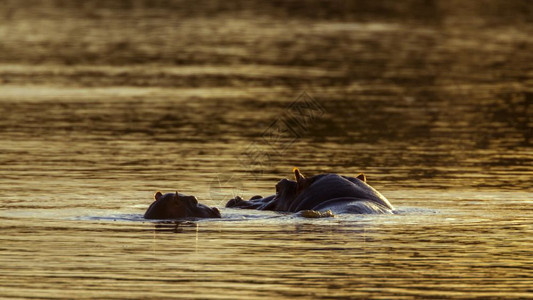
177, 206
320, 193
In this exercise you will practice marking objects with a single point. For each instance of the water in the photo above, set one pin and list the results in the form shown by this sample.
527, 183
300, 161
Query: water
104, 105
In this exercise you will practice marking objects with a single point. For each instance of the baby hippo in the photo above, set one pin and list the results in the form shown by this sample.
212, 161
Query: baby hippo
177, 206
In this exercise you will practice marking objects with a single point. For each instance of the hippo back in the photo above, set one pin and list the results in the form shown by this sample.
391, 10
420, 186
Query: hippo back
326, 187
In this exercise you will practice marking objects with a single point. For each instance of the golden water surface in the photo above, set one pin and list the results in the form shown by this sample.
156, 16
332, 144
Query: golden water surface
103, 103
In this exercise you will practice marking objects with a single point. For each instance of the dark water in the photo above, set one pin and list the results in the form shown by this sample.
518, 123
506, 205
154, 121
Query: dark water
104, 103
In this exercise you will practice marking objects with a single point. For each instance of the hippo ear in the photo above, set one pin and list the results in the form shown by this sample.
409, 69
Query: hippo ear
176, 196
157, 195
361, 177
193, 200
298, 176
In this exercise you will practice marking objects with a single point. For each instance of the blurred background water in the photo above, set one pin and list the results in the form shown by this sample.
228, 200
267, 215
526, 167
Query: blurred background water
103, 103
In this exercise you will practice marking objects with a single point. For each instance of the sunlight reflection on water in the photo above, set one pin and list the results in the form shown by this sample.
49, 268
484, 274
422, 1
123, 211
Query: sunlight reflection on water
436, 112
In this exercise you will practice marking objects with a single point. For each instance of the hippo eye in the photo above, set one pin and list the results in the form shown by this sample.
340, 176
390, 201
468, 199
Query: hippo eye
277, 190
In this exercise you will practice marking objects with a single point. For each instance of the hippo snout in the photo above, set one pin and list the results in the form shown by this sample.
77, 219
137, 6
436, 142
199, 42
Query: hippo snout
234, 201
215, 213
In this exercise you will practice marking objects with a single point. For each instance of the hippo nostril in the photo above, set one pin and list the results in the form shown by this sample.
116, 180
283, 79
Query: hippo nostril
216, 212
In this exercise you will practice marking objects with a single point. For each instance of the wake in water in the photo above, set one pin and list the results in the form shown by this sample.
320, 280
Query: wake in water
234, 215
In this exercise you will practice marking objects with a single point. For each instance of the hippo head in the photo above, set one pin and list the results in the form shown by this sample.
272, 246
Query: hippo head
176, 206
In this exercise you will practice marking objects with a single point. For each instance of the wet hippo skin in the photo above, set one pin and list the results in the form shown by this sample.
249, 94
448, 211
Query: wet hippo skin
340, 194
176, 206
